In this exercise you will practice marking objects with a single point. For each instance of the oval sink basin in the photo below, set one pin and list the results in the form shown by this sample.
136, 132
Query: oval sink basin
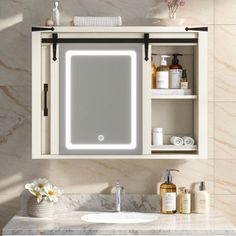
119, 218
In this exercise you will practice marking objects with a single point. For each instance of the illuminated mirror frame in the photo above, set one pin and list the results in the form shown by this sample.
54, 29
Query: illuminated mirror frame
132, 145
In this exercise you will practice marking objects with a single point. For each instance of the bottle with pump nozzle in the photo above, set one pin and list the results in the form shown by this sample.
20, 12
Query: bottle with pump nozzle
168, 194
175, 72
202, 199
162, 76
154, 73
56, 14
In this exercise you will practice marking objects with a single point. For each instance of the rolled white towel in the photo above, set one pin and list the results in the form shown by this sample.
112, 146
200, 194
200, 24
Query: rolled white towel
97, 21
188, 141
175, 140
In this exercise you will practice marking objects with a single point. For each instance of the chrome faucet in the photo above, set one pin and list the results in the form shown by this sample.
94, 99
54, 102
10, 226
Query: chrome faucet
119, 190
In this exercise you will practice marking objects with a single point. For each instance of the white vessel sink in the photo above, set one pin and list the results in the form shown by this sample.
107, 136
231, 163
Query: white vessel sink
119, 217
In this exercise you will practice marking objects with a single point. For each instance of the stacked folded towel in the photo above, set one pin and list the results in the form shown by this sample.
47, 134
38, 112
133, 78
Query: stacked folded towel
187, 141
97, 21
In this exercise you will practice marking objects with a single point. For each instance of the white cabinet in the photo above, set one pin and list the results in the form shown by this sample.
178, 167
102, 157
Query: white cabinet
92, 96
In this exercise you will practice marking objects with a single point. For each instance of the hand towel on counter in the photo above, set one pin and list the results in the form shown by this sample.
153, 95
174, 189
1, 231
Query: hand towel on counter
175, 140
97, 21
188, 141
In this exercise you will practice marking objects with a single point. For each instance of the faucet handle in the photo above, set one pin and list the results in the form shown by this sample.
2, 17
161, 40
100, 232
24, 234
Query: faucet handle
118, 184
122, 190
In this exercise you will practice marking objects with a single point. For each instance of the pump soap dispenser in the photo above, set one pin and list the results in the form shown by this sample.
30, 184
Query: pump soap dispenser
202, 199
175, 72
163, 74
168, 194
56, 14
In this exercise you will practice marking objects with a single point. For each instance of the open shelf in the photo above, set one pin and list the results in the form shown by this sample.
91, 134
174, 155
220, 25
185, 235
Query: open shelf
176, 111
174, 148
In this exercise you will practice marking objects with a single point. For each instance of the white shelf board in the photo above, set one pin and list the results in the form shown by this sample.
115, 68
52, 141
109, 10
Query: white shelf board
174, 96
174, 148
152, 156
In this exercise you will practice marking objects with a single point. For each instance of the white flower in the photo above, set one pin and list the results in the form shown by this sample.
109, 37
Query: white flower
43, 190
52, 192
40, 183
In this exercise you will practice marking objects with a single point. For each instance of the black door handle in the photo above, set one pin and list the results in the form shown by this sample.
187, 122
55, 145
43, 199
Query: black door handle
45, 90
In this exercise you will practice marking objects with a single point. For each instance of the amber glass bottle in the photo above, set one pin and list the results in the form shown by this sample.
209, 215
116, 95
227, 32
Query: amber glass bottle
154, 72
168, 194
175, 72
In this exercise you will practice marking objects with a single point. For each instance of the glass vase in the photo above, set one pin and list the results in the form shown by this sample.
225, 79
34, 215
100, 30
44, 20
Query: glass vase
172, 15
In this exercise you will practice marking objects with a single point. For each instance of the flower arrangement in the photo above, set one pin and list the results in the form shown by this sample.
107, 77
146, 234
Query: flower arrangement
43, 190
173, 6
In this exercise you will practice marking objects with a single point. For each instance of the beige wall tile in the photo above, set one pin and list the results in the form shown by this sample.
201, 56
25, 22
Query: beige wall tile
8, 208
211, 123
225, 67
225, 12
100, 176
225, 178
211, 32
226, 204
225, 130
135, 176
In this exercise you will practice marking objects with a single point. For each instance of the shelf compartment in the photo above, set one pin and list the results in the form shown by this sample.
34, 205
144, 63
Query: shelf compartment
174, 148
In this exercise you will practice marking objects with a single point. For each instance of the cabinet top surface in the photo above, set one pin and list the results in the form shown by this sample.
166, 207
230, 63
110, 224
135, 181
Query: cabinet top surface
124, 29
71, 224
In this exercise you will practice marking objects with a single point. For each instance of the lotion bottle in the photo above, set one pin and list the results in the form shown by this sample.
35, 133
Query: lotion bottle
202, 199
162, 75
185, 202
168, 194
56, 15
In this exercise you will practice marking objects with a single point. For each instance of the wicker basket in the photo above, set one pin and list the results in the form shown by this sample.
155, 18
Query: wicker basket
41, 210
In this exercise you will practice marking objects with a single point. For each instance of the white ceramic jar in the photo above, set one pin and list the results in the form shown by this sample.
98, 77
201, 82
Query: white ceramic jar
157, 136
40, 210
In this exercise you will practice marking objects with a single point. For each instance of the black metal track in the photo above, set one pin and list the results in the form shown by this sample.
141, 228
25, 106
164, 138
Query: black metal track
42, 29
120, 40
197, 29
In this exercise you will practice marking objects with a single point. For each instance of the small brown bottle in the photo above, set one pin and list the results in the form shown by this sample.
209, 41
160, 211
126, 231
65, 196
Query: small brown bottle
184, 80
168, 194
154, 73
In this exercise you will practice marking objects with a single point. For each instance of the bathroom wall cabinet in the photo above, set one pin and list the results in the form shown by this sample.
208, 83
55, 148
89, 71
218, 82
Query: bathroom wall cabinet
92, 96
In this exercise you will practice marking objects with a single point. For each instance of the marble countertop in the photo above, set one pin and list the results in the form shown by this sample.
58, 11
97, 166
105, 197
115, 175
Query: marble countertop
213, 223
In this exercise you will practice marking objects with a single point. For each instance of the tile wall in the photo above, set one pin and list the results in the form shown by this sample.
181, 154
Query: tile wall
16, 166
